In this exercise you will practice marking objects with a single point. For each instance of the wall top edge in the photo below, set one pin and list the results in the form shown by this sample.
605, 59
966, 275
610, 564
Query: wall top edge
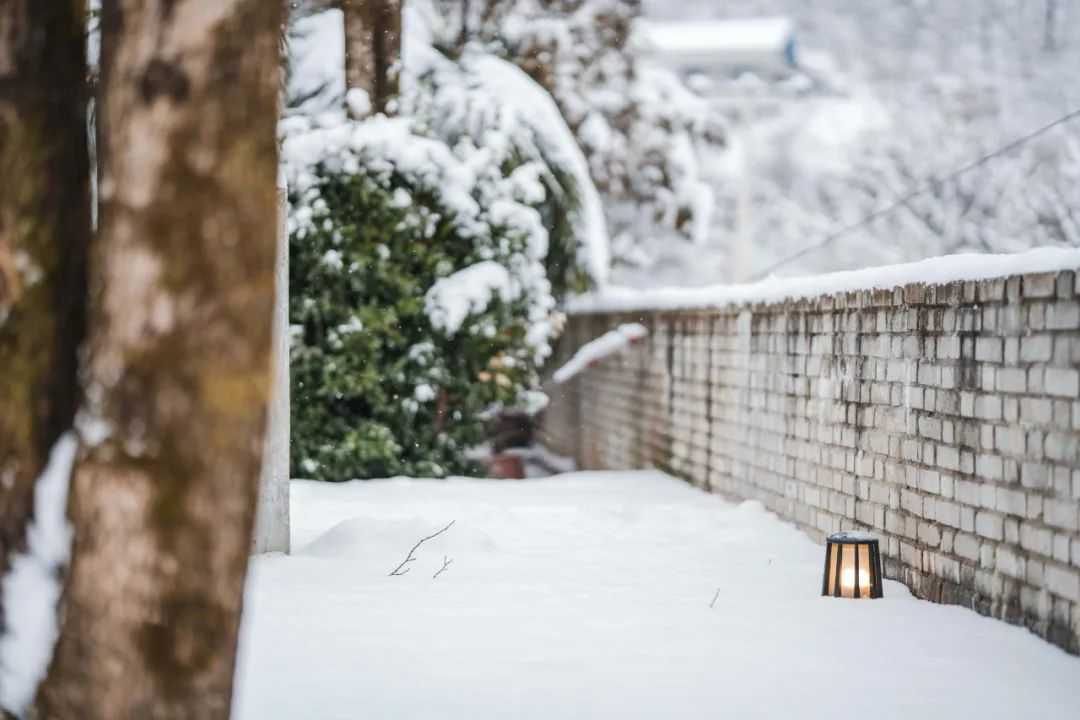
947, 280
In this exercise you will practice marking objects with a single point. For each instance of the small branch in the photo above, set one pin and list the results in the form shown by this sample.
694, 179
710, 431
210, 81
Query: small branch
445, 564
401, 569
714, 597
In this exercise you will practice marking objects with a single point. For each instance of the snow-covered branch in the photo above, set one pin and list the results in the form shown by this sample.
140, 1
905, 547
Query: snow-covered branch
596, 350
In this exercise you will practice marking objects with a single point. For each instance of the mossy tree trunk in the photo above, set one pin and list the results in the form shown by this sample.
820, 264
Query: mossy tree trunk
44, 235
177, 362
373, 48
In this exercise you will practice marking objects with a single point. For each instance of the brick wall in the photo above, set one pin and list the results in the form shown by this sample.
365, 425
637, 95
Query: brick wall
943, 418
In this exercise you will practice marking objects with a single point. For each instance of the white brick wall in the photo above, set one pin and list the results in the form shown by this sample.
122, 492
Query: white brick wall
946, 419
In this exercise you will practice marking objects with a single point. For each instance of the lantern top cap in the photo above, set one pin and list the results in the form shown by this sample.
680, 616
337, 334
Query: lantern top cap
852, 536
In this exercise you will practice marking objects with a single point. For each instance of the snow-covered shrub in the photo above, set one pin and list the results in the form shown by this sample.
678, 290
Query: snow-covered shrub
475, 99
418, 296
647, 138
471, 99
427, 251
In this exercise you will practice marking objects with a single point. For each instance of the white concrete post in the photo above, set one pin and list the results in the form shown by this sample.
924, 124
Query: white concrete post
272, 514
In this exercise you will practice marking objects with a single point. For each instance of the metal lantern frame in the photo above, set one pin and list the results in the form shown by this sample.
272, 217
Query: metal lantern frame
837, 561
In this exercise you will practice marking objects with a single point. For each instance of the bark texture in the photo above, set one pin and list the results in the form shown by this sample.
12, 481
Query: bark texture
177, 370
373, 48
44, 234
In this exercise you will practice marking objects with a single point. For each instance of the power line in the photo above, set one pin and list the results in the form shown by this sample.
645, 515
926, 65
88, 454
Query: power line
903, 200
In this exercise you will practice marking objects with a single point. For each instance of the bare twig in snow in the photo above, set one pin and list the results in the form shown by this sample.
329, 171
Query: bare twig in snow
401, 569
445, 564
714, 597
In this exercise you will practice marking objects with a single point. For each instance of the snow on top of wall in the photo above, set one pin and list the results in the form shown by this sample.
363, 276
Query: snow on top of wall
596, 350
453, 298
31, 588
950, 268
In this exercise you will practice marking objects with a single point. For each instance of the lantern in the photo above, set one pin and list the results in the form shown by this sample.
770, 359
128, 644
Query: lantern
852, 566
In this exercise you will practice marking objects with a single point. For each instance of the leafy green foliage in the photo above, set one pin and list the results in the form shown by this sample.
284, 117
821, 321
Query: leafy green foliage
376, 389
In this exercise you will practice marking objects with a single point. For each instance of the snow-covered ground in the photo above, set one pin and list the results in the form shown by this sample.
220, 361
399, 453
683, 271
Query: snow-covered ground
588, 595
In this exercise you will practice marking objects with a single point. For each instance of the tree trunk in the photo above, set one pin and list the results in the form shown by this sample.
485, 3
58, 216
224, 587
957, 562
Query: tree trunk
44, 234
373, 48
178, 361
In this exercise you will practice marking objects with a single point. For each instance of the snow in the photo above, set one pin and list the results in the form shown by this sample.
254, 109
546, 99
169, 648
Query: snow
509, 117
485, 107
533, 401
469, 291
658, 172
541, 462
354, 325
588, 596
882, 83
379, 142
711, 38
316, 70
465, 182
32, 586
29, 273
424, 393
827, 132
535, 106
93, 36
596, 350
358, 102
851, 535
950, 268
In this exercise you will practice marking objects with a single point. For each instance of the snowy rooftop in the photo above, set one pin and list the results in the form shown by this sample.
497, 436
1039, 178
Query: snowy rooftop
746, 42
939, 270
603, 595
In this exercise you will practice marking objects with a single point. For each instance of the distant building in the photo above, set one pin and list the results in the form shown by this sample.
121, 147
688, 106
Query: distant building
752, 74
764, 47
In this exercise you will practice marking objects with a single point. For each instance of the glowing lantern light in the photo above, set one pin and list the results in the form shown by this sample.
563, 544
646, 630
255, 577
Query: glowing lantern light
852, 566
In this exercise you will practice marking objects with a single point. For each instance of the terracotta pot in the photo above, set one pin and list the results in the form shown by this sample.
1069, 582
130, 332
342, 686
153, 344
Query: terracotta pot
506, 467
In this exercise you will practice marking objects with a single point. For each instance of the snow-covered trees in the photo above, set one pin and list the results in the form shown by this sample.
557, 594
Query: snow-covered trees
647, 139
474, 98
919, 90
428, 252
419, 297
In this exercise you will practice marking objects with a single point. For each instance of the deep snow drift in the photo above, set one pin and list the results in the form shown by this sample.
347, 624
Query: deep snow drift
588, 596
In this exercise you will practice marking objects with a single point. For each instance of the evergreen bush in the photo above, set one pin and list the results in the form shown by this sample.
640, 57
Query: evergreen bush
418, 300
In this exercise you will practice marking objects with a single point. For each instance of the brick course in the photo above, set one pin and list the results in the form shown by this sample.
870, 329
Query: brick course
943, 418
